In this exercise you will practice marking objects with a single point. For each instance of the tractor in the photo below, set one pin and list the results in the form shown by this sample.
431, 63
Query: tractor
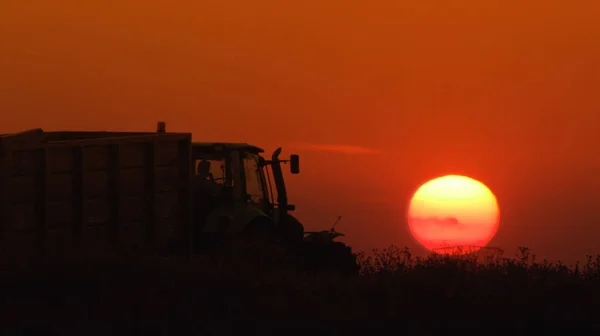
233, 196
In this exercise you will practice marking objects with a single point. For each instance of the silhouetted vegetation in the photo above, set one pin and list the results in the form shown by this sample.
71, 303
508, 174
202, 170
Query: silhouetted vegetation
262, 291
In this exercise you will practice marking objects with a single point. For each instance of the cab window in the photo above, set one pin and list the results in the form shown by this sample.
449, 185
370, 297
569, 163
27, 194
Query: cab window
216, 169
254, 187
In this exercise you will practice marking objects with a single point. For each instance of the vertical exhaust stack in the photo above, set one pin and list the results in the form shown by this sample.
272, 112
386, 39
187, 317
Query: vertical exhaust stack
161, 127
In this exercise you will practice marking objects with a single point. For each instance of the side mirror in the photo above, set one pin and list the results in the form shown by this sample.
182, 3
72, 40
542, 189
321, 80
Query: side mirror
295, 163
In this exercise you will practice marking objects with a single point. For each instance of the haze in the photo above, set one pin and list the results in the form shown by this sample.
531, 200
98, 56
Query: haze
437, 232
376, 98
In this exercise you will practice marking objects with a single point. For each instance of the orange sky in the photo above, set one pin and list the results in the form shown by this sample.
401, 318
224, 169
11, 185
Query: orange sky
503, 91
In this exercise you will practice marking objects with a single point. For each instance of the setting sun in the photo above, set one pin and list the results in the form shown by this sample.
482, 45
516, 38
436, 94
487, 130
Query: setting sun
452, 211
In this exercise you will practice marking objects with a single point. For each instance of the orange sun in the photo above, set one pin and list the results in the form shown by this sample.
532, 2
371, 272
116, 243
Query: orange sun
452, 211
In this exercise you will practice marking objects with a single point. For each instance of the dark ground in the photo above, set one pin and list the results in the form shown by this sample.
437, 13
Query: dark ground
396, 292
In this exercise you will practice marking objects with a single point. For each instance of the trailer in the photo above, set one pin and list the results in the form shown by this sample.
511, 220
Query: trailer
106, 194
96, 191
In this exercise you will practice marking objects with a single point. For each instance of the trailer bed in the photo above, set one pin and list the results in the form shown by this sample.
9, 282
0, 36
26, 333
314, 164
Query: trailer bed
103, 191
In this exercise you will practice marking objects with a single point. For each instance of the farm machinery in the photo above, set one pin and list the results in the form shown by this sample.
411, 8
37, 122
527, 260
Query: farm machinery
151, 191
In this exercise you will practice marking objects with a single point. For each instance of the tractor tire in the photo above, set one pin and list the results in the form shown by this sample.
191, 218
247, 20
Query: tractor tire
259, 227
290, 230
258, 233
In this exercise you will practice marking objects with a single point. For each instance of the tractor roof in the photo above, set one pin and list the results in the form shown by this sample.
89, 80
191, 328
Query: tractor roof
230, 146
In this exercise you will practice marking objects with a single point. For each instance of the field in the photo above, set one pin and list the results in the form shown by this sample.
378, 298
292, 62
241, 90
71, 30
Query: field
234, 294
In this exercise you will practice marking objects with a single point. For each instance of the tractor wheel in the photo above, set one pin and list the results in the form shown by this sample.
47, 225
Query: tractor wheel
259, 227
259, 232
290, 230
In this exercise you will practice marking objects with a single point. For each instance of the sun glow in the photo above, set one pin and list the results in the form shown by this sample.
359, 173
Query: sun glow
453, 210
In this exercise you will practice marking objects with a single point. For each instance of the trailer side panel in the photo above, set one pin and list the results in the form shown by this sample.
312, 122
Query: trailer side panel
105, 195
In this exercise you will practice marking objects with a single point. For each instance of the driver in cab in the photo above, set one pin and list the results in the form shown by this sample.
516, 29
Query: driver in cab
205, 181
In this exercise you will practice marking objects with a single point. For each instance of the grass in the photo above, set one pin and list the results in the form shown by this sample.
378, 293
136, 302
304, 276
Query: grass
395, 290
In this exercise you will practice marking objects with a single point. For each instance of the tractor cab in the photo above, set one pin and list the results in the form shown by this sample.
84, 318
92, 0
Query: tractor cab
236, 190
233, 186
234, 170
